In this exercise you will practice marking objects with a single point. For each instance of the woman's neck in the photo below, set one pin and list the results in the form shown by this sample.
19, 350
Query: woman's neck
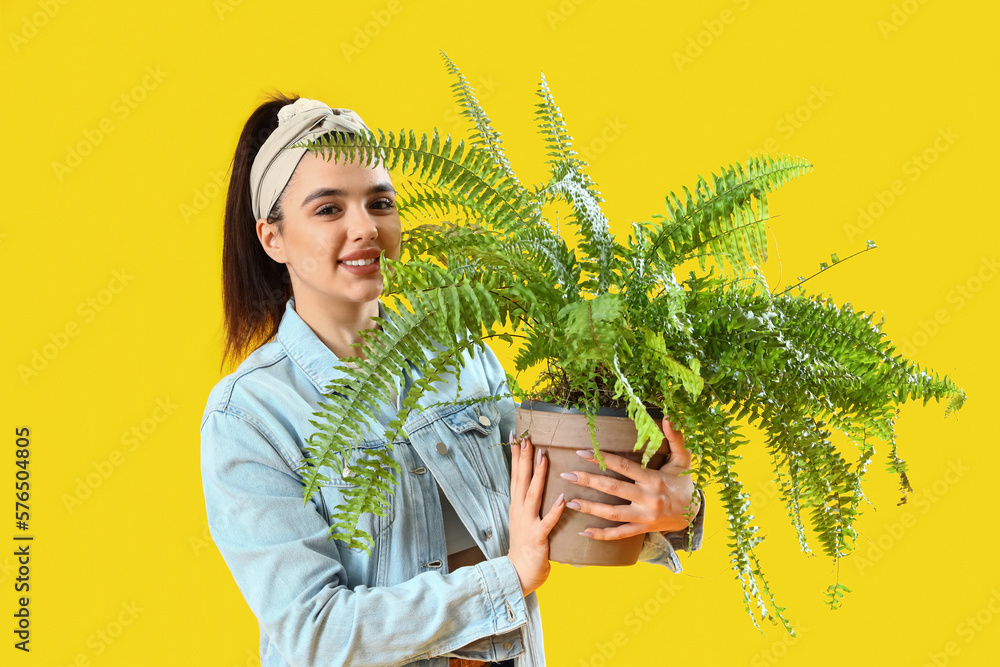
337, 323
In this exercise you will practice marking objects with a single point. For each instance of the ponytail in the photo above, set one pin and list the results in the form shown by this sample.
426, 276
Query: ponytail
255, 288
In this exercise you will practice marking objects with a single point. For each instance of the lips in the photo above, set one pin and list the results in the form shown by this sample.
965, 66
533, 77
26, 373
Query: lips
359, 255
362, 262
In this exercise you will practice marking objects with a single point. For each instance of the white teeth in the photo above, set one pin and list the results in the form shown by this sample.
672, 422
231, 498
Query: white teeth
360, 262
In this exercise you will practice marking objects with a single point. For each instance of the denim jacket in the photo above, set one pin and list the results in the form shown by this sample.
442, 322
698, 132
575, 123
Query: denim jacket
319, 602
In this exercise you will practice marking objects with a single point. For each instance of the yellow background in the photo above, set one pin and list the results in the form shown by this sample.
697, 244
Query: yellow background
113, 265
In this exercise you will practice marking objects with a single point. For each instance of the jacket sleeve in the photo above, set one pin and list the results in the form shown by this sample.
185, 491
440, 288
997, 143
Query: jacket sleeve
661, 548
293, 579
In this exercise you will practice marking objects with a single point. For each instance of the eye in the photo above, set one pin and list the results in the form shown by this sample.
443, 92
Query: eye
383, 203
327, 209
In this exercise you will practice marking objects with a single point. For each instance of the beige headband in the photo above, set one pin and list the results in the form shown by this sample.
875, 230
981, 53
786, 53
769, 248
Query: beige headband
275, 162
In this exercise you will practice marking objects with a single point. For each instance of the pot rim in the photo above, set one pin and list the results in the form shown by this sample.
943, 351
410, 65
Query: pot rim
542, 406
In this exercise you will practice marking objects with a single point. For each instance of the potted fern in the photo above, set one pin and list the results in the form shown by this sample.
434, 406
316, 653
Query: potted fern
612, 324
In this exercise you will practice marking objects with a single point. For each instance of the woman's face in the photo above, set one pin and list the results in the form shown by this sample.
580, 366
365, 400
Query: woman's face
338, 218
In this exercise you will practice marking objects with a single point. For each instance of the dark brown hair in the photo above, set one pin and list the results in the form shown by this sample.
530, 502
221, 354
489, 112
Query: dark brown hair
254, 286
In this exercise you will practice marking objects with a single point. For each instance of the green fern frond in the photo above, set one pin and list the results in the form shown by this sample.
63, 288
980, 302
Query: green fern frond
607, 324
725, 218
571, 182
483, 135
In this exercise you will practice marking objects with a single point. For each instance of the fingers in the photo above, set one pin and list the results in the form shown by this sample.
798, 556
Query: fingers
619, 464
521, 467
533, 495
619, 513
623, 489
552, 516
680, 456
615, 532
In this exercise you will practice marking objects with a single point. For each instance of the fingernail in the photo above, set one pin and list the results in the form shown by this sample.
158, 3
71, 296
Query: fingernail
538, 458
571, 476
524, 443
511, 439
573, 505
585, 533
585, 453
559, 499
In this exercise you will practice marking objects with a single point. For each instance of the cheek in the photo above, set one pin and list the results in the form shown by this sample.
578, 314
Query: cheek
394, 252
322, 244
392, 240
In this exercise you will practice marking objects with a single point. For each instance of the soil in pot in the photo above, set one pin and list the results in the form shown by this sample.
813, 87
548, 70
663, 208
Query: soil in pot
559, 433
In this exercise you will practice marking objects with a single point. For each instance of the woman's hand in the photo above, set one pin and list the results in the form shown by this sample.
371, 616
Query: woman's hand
529, 535
659, 498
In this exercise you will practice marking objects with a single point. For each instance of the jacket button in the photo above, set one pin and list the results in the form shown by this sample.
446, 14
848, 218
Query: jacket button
484, 420
442, 448
507, 645
488, 533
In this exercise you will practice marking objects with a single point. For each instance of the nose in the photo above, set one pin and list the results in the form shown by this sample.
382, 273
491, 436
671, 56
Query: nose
362, 227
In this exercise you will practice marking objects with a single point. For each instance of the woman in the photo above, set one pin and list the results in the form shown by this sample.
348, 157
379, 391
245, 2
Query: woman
458, 556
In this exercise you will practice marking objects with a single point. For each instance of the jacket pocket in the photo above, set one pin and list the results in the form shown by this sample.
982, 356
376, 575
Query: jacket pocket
476, 429
475, 421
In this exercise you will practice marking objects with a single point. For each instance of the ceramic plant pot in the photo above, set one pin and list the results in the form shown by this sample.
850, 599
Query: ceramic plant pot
559, 433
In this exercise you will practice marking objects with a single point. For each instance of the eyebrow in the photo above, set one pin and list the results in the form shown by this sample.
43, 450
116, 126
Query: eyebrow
336, 192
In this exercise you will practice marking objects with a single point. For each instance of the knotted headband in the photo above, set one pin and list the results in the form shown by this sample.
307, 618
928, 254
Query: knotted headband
301, 120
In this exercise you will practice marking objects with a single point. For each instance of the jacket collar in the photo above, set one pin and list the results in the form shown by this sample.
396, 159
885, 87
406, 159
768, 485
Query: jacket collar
307, 351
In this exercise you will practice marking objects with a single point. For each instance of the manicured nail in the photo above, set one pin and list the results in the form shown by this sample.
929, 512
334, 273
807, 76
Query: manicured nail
538, 458
585, 453
524, 443
571, 476
559, 499
573, 505
585, 533
511, 439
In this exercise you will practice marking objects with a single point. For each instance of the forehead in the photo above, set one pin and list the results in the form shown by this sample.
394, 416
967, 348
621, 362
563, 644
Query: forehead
314, 171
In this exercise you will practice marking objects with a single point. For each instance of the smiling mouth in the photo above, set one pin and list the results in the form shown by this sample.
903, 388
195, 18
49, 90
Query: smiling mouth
360, 262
